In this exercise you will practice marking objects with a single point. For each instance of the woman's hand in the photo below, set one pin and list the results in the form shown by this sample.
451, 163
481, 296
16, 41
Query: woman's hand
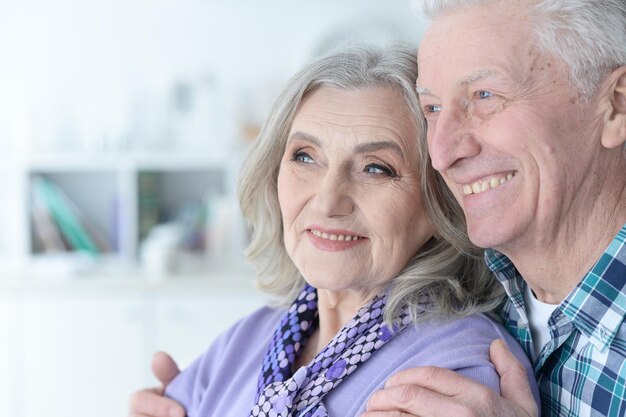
150, 402
436, 392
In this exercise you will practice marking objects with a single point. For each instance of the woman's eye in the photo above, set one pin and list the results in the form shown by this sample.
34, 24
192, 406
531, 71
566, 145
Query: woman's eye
378, 169
302, 157
483, 94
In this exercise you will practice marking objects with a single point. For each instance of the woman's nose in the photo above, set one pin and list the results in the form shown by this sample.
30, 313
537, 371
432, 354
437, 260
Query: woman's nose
333, 195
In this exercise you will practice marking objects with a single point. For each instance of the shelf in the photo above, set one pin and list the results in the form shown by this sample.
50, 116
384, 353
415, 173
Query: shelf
77, 162
68, 274
115, 202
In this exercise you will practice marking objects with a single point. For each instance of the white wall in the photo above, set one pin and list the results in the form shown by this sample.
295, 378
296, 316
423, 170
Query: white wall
81, 72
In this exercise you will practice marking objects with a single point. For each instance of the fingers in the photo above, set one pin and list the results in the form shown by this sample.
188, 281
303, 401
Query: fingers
386, 414
440, 380
164, 368
151, 403
514, 385
411, 400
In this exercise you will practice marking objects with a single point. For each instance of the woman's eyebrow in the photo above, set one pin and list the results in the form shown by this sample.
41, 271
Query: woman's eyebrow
360, 148
376, 146
298, 135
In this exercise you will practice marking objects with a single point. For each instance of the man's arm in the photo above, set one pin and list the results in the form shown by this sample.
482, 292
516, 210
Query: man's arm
151, 402
437, 392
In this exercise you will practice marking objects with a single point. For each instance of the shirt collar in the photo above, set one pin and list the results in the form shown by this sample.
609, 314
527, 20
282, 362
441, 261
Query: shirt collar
597, 306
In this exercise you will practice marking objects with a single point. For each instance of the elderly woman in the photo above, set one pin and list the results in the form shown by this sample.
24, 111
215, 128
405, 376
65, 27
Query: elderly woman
342, 240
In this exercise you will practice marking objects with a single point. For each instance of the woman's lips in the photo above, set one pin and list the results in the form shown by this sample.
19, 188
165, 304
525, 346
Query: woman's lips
333, 240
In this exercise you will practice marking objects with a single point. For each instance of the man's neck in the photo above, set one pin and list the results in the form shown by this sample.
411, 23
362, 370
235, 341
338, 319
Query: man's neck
554, 266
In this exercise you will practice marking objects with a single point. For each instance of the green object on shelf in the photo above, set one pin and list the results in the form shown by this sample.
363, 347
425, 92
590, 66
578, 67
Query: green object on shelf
67, 219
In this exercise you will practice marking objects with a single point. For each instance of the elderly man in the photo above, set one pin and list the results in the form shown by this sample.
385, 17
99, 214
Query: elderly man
526, 108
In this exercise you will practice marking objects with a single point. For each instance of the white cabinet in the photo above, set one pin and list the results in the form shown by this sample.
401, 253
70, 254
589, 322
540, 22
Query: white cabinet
82, 348
8, 312
79, 356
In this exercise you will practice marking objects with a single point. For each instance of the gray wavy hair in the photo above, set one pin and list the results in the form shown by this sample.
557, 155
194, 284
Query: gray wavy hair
588, 35
452, 277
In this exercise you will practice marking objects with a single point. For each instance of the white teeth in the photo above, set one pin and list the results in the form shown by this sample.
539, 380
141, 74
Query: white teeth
346, 238
484, 185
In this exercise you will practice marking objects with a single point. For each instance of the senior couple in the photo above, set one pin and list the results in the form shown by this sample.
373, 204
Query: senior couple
360, 216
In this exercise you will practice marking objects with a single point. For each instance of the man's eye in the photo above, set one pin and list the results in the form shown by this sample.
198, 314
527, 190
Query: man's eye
432, 108
302, 157
486, 103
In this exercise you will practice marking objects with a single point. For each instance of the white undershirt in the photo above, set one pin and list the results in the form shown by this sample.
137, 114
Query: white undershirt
538, 315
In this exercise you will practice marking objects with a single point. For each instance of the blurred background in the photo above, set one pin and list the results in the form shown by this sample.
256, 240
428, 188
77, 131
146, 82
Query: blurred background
122, 124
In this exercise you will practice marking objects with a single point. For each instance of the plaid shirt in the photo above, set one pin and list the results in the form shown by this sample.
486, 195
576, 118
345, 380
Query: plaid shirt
582, 370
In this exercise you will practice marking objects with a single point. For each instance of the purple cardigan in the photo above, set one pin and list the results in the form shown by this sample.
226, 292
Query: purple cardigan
222, 382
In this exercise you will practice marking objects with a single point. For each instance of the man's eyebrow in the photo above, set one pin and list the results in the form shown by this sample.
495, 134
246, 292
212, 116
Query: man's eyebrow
479, 75
298, 135
466, 81
422, 90
378, 145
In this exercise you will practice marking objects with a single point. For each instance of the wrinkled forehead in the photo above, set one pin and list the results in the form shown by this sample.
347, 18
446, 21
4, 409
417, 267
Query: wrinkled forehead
496, 20
498, 32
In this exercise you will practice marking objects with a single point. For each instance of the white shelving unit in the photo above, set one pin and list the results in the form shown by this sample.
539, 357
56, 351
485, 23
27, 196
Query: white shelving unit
105, 190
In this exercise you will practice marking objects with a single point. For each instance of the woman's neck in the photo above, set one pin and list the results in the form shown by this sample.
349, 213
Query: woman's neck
335, 309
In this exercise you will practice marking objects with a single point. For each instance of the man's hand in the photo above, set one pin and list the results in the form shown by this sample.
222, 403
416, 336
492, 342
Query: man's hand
150, 402
437, 392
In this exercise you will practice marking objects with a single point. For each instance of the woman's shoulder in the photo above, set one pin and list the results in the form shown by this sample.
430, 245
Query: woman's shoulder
460, 345
235, 354
475, 326
234, 342
254, 326
468, 337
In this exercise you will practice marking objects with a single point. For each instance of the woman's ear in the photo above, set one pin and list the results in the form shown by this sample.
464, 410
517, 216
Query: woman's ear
614, 132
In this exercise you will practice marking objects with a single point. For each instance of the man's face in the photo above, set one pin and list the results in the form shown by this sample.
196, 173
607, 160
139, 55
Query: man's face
506, 131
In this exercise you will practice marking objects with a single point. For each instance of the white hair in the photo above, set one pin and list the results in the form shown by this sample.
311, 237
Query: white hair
589, 36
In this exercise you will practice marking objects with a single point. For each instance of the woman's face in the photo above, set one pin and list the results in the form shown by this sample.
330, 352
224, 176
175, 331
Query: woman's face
348, 189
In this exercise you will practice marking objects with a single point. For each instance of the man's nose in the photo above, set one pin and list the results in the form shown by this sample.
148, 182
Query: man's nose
451, 139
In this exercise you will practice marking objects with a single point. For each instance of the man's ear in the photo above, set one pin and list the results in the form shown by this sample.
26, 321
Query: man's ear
614, 132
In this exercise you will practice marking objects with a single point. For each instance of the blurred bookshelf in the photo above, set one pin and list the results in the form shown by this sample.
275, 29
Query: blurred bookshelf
167, 214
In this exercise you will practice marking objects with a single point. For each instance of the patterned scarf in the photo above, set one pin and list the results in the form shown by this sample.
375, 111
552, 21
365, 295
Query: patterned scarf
281, 394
